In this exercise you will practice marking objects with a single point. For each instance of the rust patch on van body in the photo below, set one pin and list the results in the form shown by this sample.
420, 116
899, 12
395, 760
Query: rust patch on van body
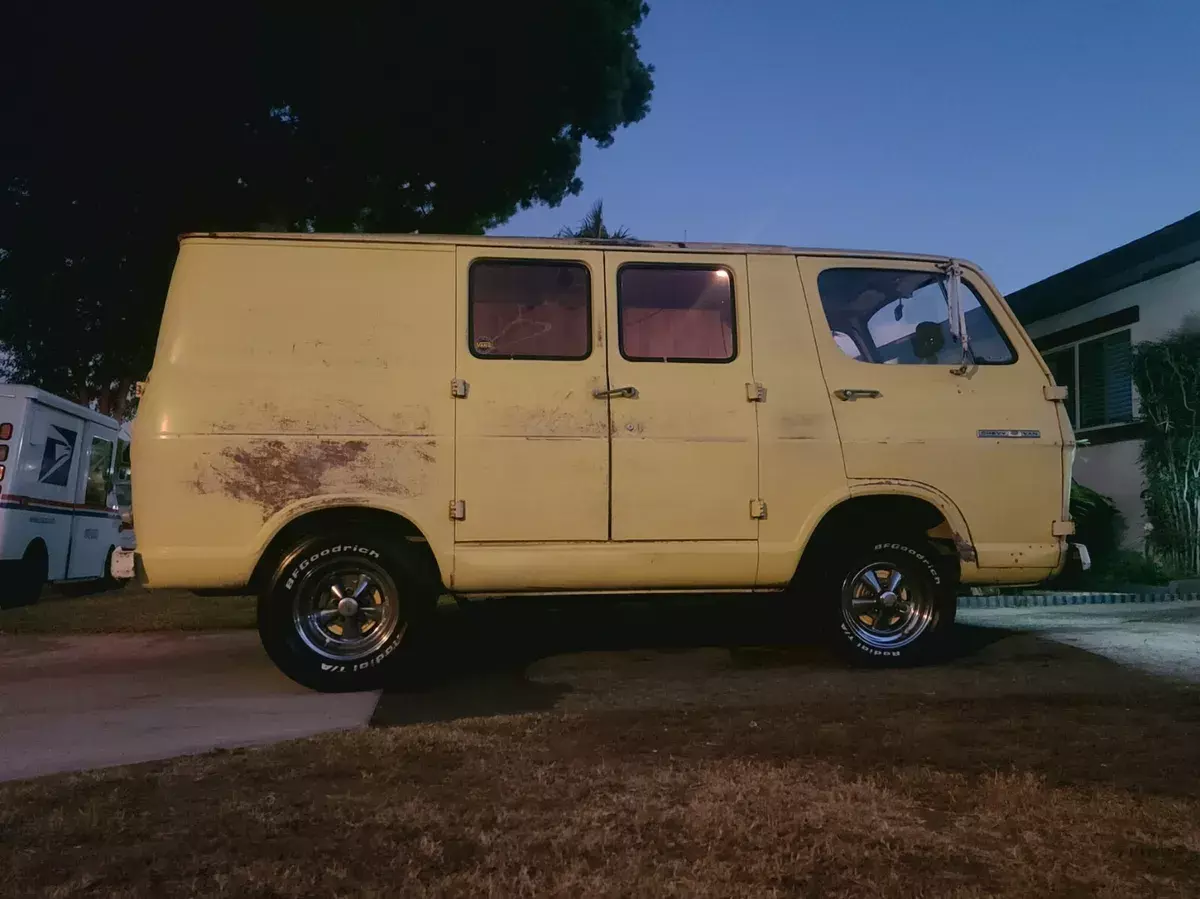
273, 473
966, 552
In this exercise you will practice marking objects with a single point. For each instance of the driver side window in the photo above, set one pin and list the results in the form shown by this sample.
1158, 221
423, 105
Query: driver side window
902, 317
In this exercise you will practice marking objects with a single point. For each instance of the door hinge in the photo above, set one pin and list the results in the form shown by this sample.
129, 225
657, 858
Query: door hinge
1054, 393
459, 388
758, 509
458, 509
755, 392
1062, 529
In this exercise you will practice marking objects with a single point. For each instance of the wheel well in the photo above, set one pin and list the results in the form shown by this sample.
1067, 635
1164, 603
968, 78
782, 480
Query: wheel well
890, 515
329, 519
37, 549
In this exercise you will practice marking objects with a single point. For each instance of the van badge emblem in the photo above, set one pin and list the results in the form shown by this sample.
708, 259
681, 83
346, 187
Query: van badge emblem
988, 433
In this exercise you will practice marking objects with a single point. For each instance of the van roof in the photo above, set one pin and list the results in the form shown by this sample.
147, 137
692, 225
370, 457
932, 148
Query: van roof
557, 243
25, 392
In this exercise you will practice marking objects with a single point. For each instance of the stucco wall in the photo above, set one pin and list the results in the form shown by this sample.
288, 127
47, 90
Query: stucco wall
1112, 469
1165, 304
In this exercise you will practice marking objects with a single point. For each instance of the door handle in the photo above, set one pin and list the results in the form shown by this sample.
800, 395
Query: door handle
853, 393
628, 392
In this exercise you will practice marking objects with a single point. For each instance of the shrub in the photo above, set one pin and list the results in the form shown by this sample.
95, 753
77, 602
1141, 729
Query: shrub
1098, 524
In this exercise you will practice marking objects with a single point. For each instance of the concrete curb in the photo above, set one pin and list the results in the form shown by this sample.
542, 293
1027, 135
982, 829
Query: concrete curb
1041, 600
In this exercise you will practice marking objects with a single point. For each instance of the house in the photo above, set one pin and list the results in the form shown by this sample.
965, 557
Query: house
1086, 319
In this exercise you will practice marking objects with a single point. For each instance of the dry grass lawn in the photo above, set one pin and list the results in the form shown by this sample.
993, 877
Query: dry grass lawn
128, 610
1022, 770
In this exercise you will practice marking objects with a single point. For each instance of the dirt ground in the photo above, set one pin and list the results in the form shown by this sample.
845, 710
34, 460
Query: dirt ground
656, 751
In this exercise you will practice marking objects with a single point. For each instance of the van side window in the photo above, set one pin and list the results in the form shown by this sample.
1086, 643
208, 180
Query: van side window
98, 479
676, 313
901, 317
529, 309
847, 345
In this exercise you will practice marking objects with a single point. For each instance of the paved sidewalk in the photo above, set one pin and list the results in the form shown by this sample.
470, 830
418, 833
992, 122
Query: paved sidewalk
1159, 638
71, 703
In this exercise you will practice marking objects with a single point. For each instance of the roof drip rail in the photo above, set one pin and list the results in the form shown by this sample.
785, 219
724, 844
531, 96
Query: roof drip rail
610, 241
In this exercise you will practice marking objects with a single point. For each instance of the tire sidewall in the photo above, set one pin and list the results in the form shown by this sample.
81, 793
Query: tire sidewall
288, 648
31, 574
918, 562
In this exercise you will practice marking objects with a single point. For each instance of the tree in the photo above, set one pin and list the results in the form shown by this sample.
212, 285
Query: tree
124, 127
593, 226
1167, 376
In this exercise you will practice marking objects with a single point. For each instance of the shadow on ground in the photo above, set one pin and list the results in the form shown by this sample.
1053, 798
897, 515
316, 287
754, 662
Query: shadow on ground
601, 673
488, 658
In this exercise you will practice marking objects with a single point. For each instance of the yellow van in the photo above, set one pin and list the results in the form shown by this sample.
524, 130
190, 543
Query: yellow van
352, 425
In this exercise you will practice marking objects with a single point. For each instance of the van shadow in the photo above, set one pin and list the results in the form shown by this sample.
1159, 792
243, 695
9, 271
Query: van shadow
473, 658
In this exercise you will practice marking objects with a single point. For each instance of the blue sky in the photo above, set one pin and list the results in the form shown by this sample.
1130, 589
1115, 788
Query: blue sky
1024, 136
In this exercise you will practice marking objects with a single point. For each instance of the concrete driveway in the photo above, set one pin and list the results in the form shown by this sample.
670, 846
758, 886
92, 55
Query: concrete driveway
70, 703
1160, 638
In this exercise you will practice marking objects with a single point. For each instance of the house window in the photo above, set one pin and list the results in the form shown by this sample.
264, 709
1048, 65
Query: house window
1098, 376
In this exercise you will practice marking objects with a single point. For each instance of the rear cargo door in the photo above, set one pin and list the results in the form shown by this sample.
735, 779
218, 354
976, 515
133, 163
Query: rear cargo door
531, 417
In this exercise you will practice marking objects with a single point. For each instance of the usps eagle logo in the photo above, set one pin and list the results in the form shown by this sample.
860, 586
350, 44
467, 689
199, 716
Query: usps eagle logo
56, 457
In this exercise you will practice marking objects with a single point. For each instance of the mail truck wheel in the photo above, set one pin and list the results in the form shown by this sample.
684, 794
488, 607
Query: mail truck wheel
893, 603
25, 579
341, 609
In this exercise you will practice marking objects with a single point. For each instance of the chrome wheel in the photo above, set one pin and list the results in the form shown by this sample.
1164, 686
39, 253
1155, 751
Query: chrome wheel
886, 608
347, 611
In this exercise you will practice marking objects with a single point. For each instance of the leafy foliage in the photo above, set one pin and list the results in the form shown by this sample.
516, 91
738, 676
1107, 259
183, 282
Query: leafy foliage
593, 226
126, 125
1167, 375
1099, 525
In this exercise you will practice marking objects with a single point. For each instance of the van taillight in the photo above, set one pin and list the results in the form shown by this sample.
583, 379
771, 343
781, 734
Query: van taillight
3, 452
5, 431
1, 472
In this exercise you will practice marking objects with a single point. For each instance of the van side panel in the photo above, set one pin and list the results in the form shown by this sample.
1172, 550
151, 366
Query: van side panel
800, 467
291, 377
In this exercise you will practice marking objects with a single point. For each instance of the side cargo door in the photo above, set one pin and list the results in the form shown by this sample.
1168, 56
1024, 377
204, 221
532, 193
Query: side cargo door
531, 436
684, 429
906, 409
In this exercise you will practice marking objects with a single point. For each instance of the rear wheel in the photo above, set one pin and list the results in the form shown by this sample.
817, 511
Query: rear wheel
341, 609
28, 578
893, 603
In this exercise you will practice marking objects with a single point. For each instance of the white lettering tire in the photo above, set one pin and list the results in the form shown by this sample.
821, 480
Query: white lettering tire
890, 602
341, 609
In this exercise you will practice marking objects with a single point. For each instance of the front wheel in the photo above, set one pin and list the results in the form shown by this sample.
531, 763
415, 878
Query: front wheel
340, 609
894, 603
